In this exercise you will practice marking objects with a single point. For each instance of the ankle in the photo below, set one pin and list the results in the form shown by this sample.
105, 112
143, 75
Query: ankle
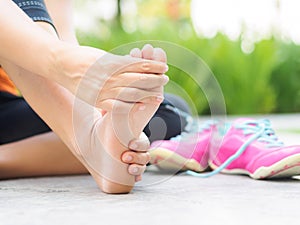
7, 166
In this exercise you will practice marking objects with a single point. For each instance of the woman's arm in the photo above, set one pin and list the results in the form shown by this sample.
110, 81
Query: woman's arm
25, 44
22, 42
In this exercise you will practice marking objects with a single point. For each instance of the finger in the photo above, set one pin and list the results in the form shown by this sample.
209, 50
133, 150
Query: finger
136, 65
159, 55
133, 95
137, 80
140, 145
136, 170
147, 52
136, 52
140, 158
120, 107
110, 64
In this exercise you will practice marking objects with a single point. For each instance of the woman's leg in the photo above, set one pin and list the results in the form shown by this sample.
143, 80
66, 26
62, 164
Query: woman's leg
41, 155
47, 155
38, 155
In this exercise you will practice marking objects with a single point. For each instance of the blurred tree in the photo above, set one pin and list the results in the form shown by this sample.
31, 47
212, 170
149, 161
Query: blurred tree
170, 9
266, 80
119, 13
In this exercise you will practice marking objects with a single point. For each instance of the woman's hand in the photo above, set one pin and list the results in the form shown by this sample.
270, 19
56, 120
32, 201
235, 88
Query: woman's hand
101, 78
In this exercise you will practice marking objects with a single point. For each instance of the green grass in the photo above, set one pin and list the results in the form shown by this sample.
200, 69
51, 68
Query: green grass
264, 81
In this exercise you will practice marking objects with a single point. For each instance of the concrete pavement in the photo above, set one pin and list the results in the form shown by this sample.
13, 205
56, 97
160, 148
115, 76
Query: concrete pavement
159, 199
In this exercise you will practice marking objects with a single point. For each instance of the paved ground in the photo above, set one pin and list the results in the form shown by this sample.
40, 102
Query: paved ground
160, 199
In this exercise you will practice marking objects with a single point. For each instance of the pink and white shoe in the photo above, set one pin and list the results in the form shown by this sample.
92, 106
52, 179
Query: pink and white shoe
251, 147
187, 151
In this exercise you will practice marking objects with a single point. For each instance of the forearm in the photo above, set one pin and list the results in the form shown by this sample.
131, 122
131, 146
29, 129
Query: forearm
25, 44
83, 71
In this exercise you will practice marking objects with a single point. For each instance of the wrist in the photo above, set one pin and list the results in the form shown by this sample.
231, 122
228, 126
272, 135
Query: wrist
71, 62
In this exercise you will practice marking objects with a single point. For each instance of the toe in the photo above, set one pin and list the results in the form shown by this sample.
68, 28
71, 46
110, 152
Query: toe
147, 52
159, 55
140, 145
136, 170
141, 158
136, 52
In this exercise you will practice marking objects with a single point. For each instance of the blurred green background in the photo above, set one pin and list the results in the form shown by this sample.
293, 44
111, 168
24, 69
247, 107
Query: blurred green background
265, 79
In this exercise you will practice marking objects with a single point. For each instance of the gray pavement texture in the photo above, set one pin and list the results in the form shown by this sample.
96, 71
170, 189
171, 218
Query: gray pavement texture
159, 199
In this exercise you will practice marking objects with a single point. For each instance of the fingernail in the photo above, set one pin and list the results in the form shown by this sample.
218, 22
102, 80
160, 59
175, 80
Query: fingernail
128, 158
166, 78
133, 146
135, 170
167, 68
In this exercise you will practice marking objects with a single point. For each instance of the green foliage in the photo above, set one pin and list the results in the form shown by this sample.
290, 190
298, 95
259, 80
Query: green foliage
245, 79
286, 79
267, 80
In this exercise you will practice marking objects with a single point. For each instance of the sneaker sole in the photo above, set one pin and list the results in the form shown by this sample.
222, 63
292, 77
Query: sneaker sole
167, 160
284, 168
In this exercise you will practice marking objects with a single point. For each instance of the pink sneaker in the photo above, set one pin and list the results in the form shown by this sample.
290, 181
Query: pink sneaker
188, 151
251, 147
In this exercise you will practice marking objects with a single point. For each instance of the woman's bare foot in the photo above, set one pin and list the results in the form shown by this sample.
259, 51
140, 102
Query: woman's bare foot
101, 140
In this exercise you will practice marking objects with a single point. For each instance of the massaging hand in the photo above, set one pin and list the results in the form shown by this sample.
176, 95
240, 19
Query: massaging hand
104, 80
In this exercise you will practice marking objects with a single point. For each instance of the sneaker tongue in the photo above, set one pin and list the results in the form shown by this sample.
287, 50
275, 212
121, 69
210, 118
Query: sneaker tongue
225, 127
